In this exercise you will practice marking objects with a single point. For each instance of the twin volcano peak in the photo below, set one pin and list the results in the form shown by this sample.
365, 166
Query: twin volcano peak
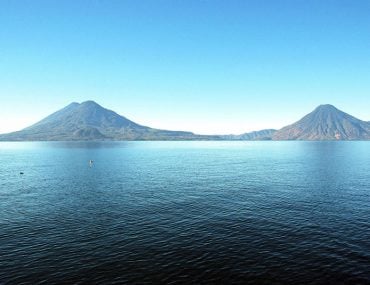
85, 104
84, 115
90, 121
89, 103
326, 109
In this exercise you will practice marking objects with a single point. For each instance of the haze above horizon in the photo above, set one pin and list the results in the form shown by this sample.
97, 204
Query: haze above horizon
201, 66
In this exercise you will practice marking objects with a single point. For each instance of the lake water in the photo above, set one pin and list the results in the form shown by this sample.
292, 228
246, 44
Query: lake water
185, 212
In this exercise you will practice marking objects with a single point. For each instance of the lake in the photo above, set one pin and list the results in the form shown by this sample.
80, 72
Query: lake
185, 212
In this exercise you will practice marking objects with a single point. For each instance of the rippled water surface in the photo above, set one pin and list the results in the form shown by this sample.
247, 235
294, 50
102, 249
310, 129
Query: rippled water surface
185, 212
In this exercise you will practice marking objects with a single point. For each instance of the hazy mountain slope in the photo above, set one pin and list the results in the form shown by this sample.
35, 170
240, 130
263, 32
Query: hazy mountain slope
325, 123
256, 135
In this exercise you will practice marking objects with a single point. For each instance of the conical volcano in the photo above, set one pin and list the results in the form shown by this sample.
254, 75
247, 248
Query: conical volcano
90, 121
325, 123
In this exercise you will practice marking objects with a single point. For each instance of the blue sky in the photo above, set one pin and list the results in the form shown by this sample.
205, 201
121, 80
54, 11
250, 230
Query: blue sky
201, 66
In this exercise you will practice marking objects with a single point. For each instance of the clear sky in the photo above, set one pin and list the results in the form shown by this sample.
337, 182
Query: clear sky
205, 66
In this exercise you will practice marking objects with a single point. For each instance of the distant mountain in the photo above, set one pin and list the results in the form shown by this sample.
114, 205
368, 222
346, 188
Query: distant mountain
90, 121
252, 136
258, 135
325, 123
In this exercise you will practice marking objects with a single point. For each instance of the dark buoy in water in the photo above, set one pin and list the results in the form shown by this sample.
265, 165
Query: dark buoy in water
21, 173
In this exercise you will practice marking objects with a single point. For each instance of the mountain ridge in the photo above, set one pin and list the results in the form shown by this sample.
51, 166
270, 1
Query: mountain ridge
260, 135
90, 121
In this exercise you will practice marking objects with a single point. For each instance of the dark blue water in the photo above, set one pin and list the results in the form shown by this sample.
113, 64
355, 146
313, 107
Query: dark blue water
185, 212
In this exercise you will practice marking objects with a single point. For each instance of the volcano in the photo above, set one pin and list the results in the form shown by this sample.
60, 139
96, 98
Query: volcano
90, 121
325, 123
